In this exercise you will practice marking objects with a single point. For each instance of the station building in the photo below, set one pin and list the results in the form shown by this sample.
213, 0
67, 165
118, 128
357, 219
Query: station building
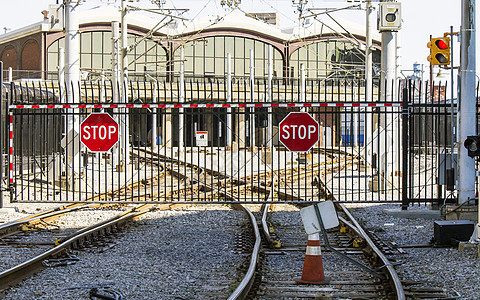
324, 47
328, 50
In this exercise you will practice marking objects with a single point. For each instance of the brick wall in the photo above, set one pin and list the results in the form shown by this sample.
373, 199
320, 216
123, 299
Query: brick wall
23, 53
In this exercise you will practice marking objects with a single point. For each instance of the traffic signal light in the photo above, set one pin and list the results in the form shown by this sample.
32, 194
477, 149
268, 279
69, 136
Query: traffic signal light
472, 143
439, 51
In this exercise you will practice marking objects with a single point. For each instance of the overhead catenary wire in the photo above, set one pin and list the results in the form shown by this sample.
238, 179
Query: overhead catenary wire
305, 43
339, 66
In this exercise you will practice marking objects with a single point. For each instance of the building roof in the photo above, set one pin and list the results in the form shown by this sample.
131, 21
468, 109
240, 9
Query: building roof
234, 20
24, 31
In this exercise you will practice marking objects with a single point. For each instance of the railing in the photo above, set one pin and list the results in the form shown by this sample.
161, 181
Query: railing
195, 90
40, 113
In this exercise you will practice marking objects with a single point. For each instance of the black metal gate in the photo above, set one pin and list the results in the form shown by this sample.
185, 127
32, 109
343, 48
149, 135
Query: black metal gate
430, 153
231, 138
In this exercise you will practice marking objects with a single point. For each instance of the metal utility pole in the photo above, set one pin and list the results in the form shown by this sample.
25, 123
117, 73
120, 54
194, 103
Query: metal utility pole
452, 115
72, 81
269, 97
72, 57
467, 104
368, 83
387, 94
124, 44
116, 86
388, 65
302, 82
115, 60
124, 118
388, 24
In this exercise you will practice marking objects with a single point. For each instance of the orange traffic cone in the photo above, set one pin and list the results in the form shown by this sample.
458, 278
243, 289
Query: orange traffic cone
313, 265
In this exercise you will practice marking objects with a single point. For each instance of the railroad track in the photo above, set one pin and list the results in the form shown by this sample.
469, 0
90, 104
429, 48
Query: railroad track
372, 284
285, 247
59, 247
364, 271
282, 266
47, 229
59, 253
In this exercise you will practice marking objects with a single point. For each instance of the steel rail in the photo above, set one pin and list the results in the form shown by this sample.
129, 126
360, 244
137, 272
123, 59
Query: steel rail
63, 207
265, 228
393, 276
16, 226
16, 274
245, 285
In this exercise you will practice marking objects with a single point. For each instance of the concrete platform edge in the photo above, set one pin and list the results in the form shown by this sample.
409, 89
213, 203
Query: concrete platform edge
414, 213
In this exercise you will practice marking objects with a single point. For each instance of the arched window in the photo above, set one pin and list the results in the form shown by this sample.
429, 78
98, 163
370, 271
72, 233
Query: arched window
9, 58
96, 55
208, 56
31, 56
330, 59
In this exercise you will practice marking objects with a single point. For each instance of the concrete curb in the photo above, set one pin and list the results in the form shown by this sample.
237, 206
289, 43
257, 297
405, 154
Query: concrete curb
413, 214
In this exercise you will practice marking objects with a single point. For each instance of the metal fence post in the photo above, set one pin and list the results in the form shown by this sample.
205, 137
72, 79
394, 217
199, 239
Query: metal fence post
405, 141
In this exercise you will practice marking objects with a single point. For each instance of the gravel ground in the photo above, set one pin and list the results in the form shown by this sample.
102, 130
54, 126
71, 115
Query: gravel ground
166, 255
448, 268
75, 220
168, 261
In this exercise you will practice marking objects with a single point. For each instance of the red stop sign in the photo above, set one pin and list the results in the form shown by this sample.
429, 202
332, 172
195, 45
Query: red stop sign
298, 131
99, 132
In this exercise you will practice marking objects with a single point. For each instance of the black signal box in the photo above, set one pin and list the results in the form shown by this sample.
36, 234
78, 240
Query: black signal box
449, 233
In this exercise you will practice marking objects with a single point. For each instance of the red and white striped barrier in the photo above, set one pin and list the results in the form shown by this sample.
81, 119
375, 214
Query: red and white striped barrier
205, 105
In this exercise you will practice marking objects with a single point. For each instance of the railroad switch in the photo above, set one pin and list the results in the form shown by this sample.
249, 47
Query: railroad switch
277, 244
343, 229
358, 243
271, 229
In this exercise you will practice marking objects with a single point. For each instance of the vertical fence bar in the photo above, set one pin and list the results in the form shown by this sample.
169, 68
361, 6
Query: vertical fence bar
2, 122
302, 83
229, 100
405, 120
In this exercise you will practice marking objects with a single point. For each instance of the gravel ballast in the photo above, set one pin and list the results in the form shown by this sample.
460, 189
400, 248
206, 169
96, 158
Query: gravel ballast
448, 268
166, 255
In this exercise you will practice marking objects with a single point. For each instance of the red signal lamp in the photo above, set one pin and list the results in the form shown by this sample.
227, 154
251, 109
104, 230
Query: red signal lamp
441, 44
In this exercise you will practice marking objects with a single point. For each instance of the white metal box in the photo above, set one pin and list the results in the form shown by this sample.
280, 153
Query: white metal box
389, 16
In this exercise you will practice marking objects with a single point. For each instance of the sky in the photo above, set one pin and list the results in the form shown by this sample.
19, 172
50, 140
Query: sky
421, 18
